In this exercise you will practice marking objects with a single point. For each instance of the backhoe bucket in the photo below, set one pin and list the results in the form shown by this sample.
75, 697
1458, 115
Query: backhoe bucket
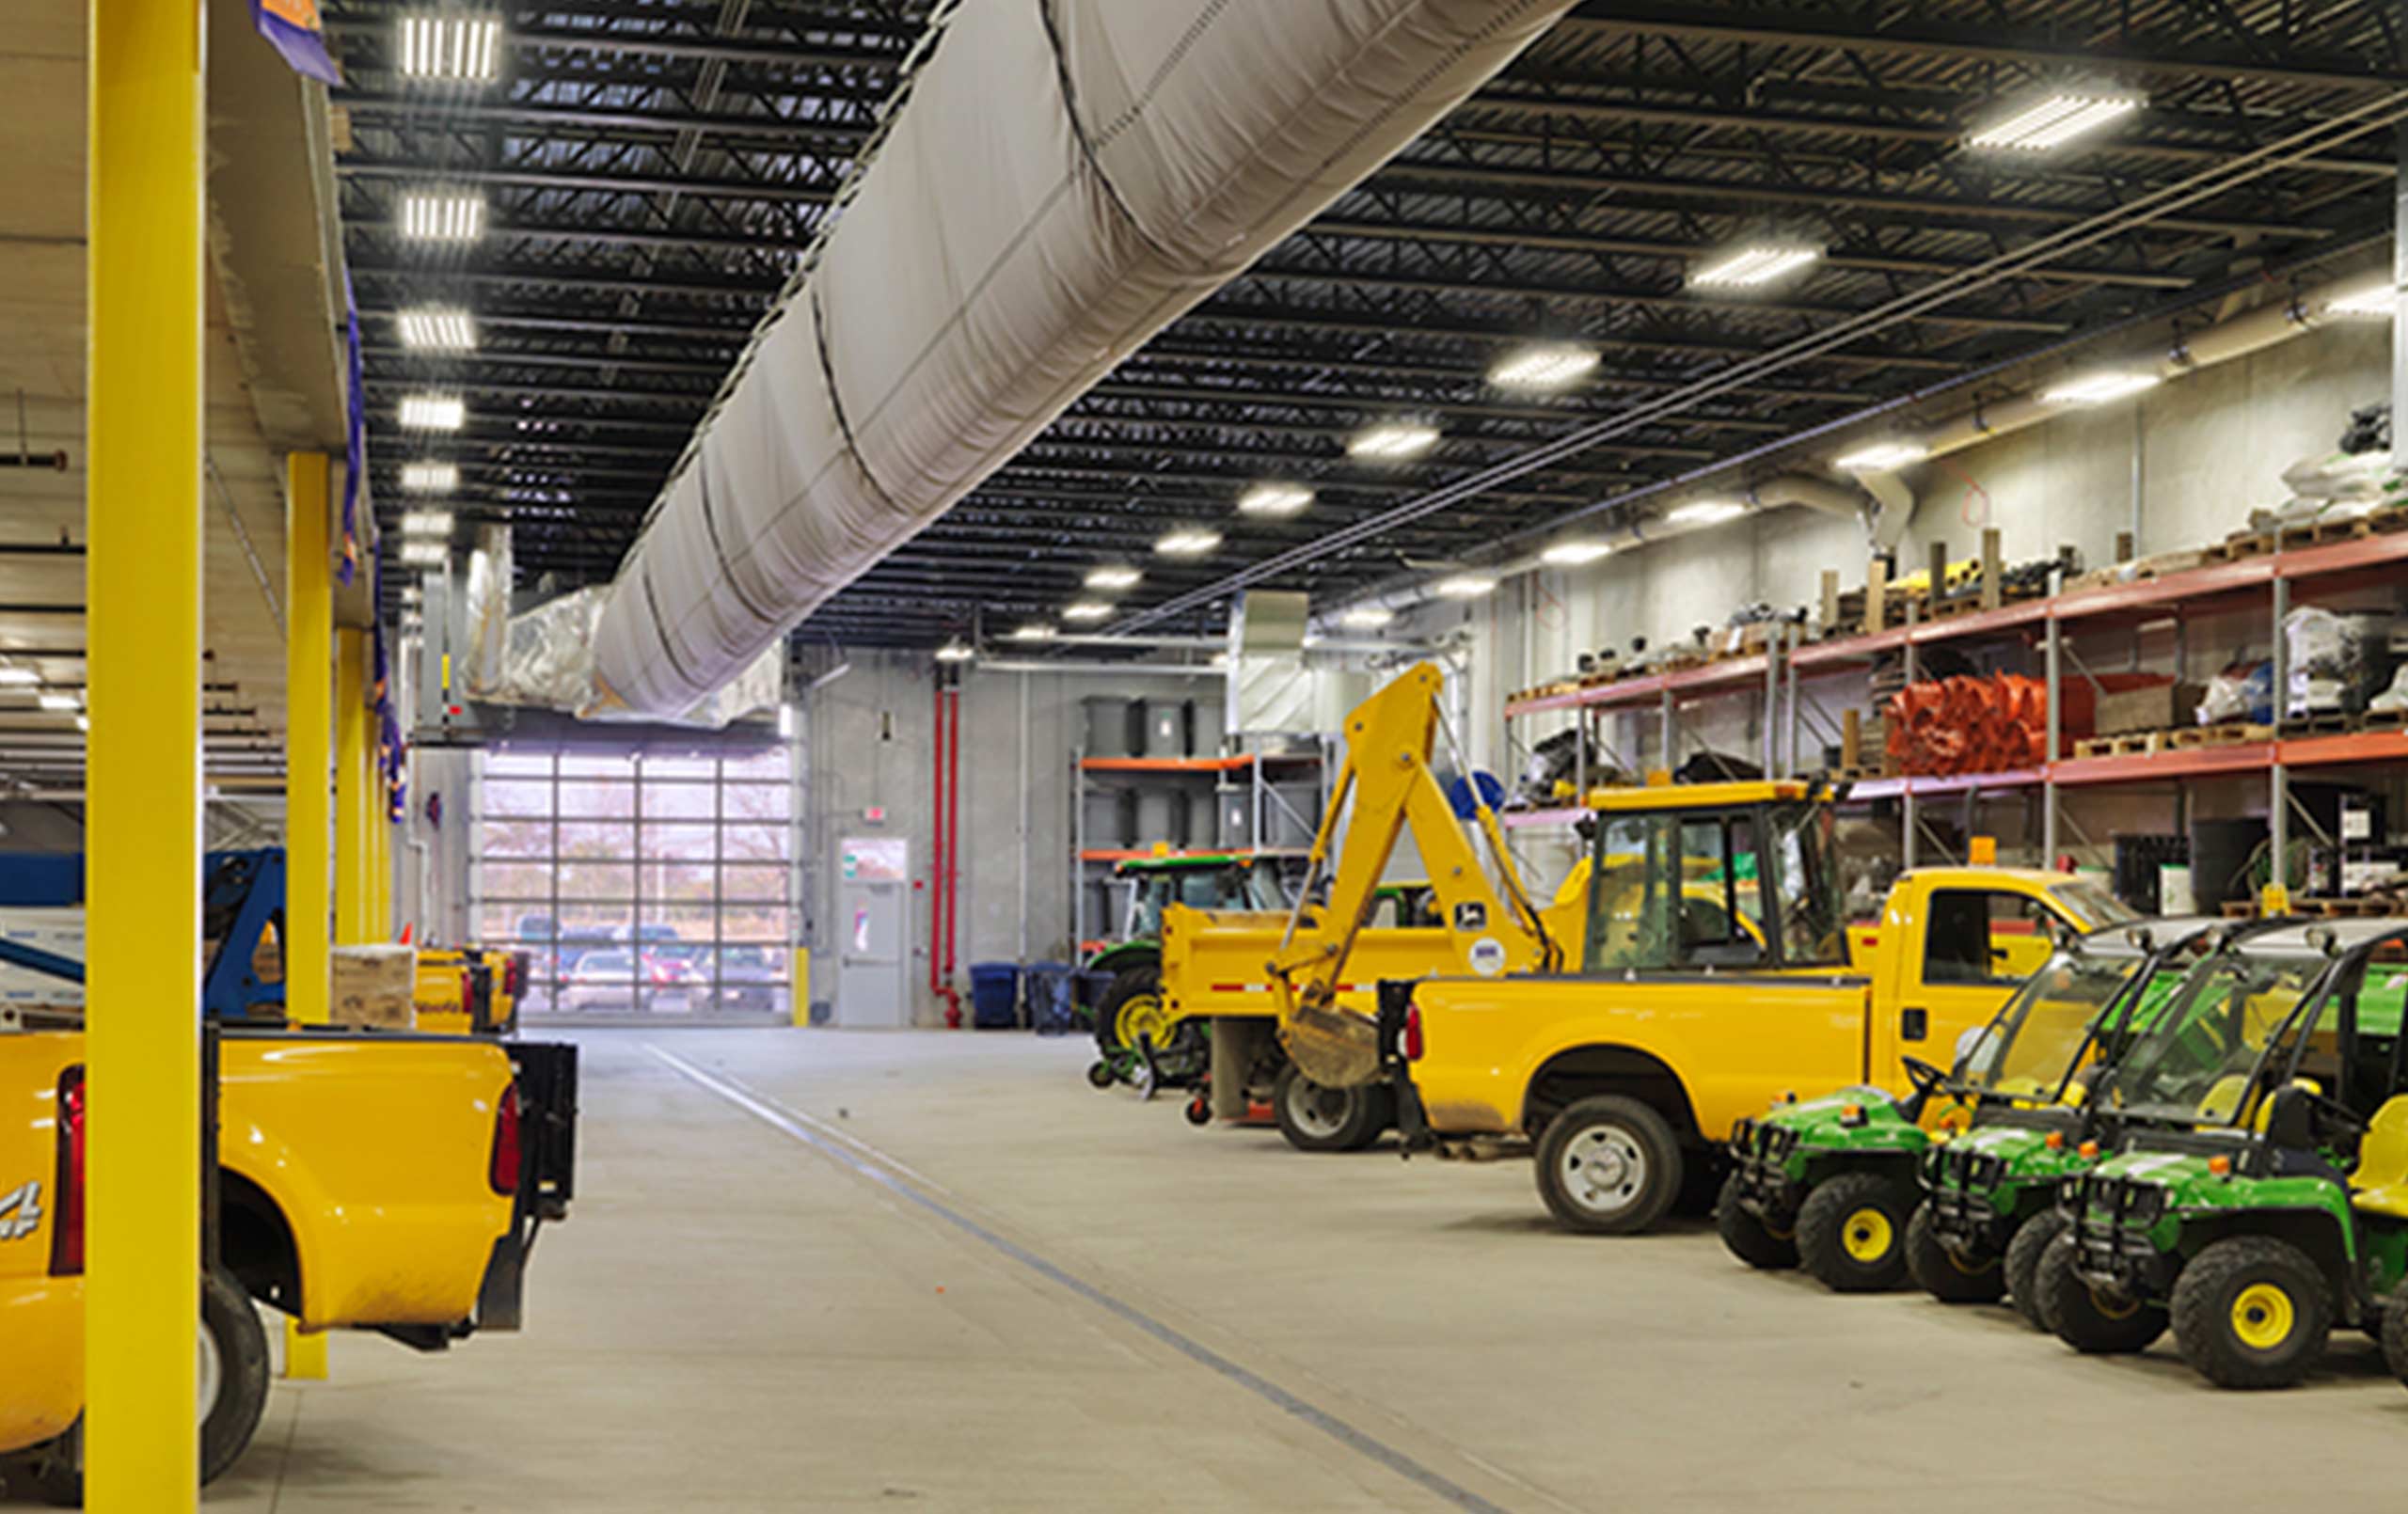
1335, 1047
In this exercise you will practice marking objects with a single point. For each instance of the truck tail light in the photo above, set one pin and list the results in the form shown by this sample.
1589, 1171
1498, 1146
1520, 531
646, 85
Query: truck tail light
508, 1141
66, 1232
1412, 1032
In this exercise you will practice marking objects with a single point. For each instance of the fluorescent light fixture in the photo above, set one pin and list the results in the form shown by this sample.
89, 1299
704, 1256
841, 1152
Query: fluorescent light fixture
409, 593
954, 651
1573, 552
1274, 500
438, 329
19, 677
59, 701
1707, 512
83, 722
433, 412
1366, 617
1113, 576
2376, 304
1034, 631
1465, 586
443, 216
1752, 265
2098, 388
1187, 542
425, 478
786, 722
1552, 365
2053, 120
1881, 457
1086, 610
426, 522
456, 48
425, 554
1390, 442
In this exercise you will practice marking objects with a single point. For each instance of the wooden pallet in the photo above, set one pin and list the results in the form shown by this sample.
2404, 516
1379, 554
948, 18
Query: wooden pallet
2373, 907
2321, 725
2240, 909
2229, 733
2129, 744
2385, 719
2240, 545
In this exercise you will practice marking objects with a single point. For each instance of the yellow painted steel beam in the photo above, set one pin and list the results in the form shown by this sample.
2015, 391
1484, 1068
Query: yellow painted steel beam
309, 803
144, 272
354, 758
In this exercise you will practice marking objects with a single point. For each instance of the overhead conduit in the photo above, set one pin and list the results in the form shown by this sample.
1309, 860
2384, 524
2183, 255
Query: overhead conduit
1067, 177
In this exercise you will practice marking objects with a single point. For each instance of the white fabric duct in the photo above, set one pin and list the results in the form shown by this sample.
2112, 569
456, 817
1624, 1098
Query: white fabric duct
1067, 177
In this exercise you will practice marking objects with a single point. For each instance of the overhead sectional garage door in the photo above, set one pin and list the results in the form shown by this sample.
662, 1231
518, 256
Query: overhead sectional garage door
641, 883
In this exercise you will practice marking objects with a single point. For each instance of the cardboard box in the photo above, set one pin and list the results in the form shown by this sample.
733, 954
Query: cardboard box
2157, 707
375, 987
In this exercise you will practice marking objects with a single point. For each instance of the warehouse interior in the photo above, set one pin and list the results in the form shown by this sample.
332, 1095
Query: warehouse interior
1039, 754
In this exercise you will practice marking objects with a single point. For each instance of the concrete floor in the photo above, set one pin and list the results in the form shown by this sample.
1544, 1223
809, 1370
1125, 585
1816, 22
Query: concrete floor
980, 1286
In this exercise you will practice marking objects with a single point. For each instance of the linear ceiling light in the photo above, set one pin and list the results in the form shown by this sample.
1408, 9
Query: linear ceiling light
59, 701
443, 216
956, 650
438, 329
1034, 631
426, 522
1187, 542
2053, 120
1391, 442
428, 478
1274, 500
425, 554
433, 412
1752, 265
1573, 554
19, 676
463, 49
1881, 457
1707, 512
2377, 304
1465, 586
2098, 388
1113, 577
1552, 365
1366, 617
1086, 610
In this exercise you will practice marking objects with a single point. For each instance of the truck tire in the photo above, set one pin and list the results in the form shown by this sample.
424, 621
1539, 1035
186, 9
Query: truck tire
1943, 1273
1852, 1232
1609, 1166
2252, 1312
233, 1392
1314, 1118
2032, 1237
2089, 1324
1748, 1238
2395, 1335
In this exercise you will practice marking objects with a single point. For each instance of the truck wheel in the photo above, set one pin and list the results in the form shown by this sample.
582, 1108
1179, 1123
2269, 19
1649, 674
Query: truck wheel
2252, 1312
1748, 1238
1943, 1273
1609, 1166
2032, 1237
231, 1394
2084, 1319
1314, 1118
1852, 1232
2395, 1335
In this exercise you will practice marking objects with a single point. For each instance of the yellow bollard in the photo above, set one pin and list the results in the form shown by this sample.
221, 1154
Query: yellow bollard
799, 990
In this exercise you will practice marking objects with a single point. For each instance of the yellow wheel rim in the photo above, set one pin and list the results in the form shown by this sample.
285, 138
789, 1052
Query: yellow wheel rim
2262, 1316
1866, 1235
1143, 1015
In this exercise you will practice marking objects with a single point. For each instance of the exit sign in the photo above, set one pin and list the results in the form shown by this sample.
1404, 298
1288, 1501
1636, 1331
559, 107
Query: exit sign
875, 814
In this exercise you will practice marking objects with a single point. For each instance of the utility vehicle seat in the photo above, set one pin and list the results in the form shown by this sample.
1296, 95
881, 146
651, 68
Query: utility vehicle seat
2380, 1184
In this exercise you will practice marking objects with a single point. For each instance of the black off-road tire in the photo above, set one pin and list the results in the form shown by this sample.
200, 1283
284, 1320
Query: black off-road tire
1746, 1236
2081, 1319
1127, 983
2395, 1336
2024, 1253
2220, 1289
1942, 1274
1314, 1118
1646, 1158
1852, 1232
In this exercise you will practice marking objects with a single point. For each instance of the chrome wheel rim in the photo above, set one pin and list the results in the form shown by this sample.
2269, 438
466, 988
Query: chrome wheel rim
1604, 1169
1317, 1111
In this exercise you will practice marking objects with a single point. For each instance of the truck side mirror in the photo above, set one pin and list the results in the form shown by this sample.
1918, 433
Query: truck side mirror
2290, 1119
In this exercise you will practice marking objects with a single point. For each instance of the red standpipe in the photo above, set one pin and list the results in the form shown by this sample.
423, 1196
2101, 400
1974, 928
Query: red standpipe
940, 986
952, 835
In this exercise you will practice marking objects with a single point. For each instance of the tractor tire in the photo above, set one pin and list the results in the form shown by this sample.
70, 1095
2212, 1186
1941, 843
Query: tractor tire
2023, 1251
1609, 1166
2395, 1335
1943, 1273
1852, 1232
1748, 1238
2081, 1319
1138, 981
1314, 1118
2252, 1312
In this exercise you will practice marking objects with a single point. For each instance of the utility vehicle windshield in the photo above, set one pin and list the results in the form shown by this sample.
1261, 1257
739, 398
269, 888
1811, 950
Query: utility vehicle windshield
2030, 1052
1747, 886
2091, 906
1237, 886
2218, 1040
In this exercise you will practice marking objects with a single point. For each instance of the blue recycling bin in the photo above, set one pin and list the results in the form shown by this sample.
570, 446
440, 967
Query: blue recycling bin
994, 995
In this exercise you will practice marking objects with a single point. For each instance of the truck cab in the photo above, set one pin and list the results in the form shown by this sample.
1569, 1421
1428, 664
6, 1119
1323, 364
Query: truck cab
1716, 976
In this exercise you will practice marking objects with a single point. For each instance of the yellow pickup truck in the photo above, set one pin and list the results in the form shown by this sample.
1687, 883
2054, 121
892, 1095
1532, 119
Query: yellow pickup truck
1628, 1066
319, 1212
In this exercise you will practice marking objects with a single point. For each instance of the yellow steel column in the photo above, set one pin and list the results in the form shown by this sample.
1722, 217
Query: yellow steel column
308, 807
355, 906
142, 1056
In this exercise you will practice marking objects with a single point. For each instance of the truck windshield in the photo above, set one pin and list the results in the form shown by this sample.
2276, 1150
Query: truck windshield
2090, 906
2029, 1052
2213, 1045
1743, 888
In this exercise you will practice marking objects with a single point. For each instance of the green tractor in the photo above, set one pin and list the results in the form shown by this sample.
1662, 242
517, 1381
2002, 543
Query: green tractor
1990, 1192
1137, 1041
2259, 1194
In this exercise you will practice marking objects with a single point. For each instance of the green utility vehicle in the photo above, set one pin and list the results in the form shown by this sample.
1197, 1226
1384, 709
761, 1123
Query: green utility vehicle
2259, 1193
1989, 1193
1131, 1021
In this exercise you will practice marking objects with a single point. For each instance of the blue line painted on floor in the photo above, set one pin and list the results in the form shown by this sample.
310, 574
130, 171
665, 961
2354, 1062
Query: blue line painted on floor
1195, 1350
